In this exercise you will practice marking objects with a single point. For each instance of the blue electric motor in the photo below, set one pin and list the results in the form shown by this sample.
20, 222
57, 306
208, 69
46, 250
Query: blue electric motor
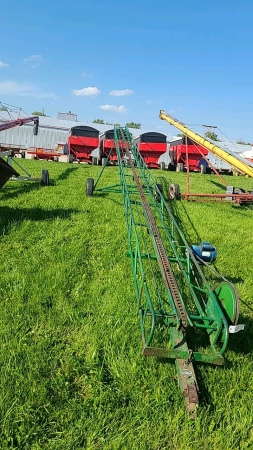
205, 252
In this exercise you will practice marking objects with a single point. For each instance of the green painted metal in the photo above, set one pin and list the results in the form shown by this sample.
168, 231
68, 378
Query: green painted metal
228, 298
157, 248
14, 163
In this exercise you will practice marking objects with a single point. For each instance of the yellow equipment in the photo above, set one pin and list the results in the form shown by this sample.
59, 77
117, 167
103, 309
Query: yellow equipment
241, 164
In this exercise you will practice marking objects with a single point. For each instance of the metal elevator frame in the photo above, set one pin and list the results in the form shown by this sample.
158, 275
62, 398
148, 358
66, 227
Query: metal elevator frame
171, 288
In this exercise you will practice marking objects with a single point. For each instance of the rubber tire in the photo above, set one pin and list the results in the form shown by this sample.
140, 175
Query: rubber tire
90, 186
162, 165
44, 178
202, 168
56, 158
94, 161
239, 191
180, 167
174, 191
70, 158
22, 154
171, 167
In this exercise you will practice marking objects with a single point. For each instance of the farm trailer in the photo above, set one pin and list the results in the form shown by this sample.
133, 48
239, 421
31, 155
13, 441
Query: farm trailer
151, 146
82, 141
187, 153
107, 148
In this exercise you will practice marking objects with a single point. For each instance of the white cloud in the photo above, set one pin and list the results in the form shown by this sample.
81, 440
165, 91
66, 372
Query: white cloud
148, 102
119, 109
35, 60
121, 92
28, 89
11, 87
2, 64
87, 92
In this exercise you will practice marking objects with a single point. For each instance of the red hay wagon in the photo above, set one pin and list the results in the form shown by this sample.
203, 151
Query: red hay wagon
178, 155
82, 141
151, 146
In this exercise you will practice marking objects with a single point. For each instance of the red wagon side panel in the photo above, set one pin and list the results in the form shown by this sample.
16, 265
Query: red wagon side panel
151, 146
82, 141
195, 152
107, 144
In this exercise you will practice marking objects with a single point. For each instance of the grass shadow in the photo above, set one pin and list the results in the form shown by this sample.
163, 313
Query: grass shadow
242, 206
16, 215
22, 188
63, 176
234, 280
107, 196
101, 194
221, 186
242, 341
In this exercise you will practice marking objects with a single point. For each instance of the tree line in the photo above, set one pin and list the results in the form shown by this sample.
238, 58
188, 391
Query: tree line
128, 124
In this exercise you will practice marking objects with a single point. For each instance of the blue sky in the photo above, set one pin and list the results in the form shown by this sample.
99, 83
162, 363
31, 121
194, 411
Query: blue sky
124, 61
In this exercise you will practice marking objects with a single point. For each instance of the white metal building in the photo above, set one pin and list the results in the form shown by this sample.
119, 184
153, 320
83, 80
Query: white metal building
51, 132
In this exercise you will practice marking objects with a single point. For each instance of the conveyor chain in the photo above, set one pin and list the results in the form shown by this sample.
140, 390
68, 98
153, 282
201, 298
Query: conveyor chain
165, 266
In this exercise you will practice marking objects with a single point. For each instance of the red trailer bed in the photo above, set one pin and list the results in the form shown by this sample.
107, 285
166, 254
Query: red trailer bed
81, 143
151, 146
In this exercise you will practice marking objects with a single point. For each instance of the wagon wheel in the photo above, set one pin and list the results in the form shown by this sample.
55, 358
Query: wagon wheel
229, 300
174, 191
202, 168
44, 178
239, 191
90, 186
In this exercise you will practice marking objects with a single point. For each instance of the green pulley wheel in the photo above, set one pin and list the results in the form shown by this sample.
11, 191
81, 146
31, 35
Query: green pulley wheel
228, 297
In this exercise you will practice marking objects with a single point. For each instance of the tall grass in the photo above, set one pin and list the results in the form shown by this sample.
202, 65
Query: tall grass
72, 373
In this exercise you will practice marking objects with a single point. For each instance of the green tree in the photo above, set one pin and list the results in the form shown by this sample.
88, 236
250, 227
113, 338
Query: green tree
212, 135
39, 113
240, 141
113, 124
133, 125
98, 121
2, 108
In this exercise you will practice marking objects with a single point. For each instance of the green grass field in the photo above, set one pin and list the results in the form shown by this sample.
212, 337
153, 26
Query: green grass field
72, 373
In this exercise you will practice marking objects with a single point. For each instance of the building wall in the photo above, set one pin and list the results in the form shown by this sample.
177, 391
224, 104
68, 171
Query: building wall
51, 133
46, 138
